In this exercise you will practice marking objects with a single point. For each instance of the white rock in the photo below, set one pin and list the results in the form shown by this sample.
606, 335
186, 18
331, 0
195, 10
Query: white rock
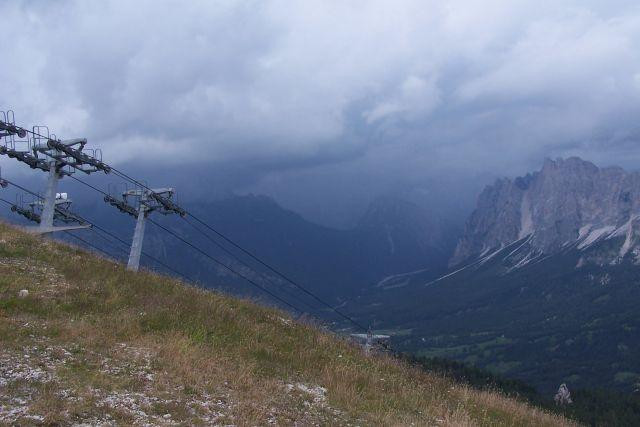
23, 293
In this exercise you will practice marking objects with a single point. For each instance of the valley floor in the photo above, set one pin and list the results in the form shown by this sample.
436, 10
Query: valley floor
94, 344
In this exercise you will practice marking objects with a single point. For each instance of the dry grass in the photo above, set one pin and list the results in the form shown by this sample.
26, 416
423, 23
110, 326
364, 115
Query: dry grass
125, 348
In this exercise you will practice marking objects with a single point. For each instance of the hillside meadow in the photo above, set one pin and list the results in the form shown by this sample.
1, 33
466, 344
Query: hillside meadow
93, 343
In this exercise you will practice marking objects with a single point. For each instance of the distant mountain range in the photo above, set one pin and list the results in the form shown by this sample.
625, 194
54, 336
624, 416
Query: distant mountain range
543, 285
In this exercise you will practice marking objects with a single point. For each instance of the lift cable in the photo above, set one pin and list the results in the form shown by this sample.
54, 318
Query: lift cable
112, 235
253, 283
235, 257
228, 240
107, 254
252, 256
219, 246
186, 242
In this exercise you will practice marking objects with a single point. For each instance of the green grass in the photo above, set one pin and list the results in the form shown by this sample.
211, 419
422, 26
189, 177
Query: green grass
103, 332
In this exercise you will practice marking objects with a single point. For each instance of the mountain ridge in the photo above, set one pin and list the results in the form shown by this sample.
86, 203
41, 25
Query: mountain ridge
568, 202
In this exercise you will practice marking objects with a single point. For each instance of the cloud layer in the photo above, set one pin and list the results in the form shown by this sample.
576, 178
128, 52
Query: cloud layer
396, 91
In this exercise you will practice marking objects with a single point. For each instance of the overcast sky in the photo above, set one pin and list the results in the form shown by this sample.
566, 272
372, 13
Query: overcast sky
329, 102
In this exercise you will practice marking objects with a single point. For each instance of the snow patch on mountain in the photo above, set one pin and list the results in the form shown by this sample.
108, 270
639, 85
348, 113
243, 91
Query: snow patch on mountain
526, 218
595, 235
398, 280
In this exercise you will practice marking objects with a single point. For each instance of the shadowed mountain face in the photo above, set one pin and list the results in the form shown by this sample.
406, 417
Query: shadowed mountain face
403, 237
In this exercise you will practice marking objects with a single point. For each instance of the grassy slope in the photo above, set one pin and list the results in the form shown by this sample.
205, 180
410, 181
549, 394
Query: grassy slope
94, 343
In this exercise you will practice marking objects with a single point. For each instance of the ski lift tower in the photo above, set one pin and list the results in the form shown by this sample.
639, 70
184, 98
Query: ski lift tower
147, 201
45, 152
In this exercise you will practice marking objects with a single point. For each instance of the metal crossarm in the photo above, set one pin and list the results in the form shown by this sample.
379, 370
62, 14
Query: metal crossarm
27, 213
62, 211
167, 204
25, 157
67, 216
80, 157
11, 129
122, 206
61, 214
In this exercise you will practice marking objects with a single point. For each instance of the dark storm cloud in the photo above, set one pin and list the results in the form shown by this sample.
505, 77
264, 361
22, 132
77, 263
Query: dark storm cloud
395, 92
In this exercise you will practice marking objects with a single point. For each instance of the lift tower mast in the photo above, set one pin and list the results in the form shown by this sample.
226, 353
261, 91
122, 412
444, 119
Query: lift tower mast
56, 157
147, 200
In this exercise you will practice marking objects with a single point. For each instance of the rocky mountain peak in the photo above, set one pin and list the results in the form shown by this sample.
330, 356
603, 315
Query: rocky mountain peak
568, 202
